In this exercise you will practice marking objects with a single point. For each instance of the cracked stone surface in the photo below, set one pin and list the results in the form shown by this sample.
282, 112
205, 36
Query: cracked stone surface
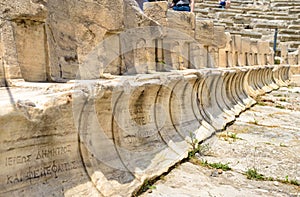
106, 137
266, 138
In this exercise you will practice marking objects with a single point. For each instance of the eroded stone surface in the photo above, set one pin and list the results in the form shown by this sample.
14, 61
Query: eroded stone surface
112, 135
55, 39
36, 152
106, 137
267, 138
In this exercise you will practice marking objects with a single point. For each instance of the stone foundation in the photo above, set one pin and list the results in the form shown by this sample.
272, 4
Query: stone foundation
106, 137
139, 89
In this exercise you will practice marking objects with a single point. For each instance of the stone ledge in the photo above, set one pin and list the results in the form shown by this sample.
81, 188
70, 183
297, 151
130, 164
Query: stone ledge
112, 135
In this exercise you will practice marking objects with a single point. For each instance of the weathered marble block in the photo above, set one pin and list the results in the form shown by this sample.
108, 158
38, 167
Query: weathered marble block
157, 11
106, 137
32, 49
182, 21
204, 32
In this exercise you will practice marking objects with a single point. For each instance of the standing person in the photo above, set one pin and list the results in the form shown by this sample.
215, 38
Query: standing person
224, 4
183, 5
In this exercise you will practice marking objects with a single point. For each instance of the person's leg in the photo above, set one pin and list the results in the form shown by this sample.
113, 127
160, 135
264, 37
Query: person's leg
186, 8
175, 8
182, 8
222, 4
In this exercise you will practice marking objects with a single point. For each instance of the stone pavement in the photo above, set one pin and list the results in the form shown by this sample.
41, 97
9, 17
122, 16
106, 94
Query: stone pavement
265, 137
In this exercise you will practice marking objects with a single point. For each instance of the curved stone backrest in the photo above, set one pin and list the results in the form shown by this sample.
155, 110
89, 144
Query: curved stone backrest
107, 137
111, 136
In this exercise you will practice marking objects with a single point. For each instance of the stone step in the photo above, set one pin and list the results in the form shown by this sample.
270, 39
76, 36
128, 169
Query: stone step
265, 31
215, 3
270, 25
247, 18
244, 9
225, 14
232, 2
228, 23
249, 34
261, 28
288, 37
295, 11
202, 5
206, 5
247, 2
253, 14
201, 11
272, 17
268, 16
294, 27
295, 80
296, 22
293, 44
285, 4
242, 23
234, 28
282, 1
272, 13
289, 31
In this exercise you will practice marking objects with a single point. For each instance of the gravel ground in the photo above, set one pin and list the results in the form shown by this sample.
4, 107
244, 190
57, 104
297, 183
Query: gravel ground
264, 139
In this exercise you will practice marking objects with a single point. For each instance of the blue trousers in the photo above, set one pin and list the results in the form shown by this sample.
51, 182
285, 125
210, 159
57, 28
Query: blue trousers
182, 8
222, 4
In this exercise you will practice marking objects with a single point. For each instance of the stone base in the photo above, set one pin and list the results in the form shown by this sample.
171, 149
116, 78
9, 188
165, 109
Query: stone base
106, 137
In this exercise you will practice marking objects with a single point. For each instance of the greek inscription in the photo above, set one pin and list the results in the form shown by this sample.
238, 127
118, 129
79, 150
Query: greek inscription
52, 169
10, 161
50, 153
41, 154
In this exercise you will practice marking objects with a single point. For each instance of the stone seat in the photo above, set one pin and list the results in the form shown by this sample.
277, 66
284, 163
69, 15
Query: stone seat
280, 9
242, 22
288, 37
231, 10
293, 44
264, 17
275, 1
245, 8
265, 31
296, 22
204, 15
295, 27
285, 4
268, 24
235, 28
206, 5
271, 17
257, 19
295, 11
242, 2
284, 13
202, 11
249, 34
289, 31
227, 22
225, 14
